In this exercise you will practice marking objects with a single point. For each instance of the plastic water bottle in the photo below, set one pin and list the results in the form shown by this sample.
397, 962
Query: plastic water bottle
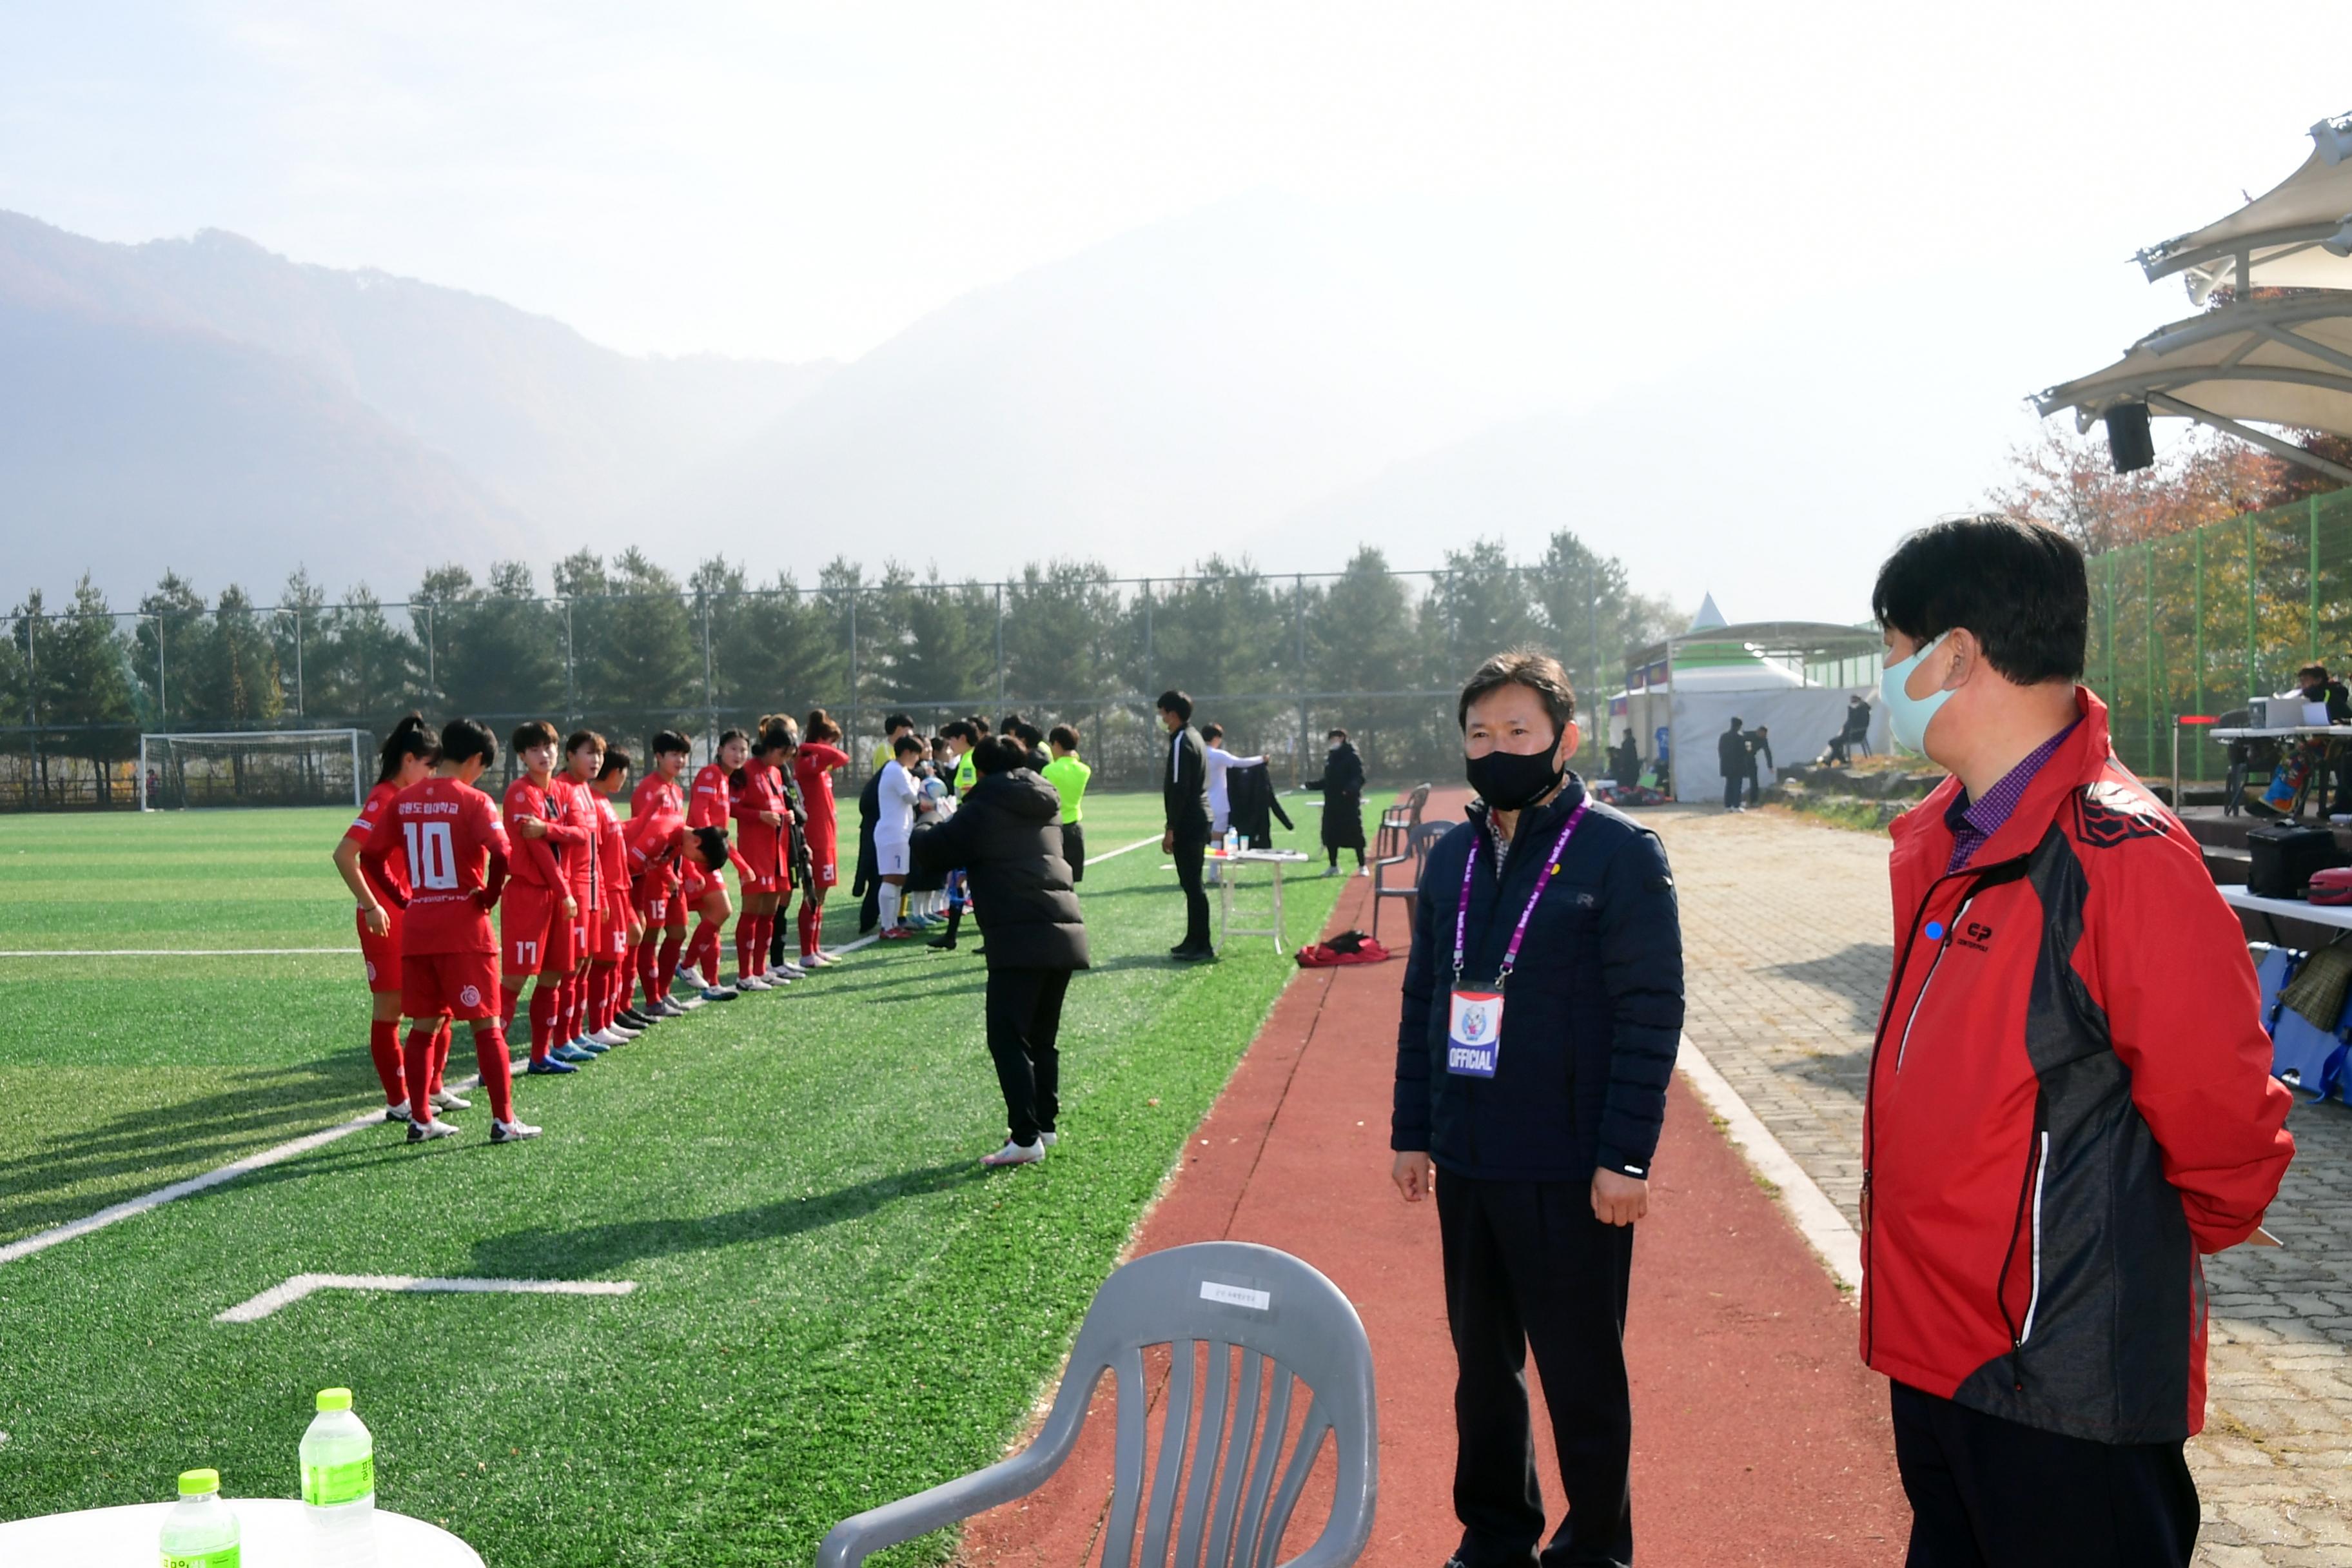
201, 1530
339, 1482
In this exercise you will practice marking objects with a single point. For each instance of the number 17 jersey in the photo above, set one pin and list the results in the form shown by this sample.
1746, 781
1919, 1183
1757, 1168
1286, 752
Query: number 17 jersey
449, 831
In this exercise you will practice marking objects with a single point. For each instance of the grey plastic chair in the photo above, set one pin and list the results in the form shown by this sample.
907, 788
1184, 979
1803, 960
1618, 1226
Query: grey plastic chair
1292, 1327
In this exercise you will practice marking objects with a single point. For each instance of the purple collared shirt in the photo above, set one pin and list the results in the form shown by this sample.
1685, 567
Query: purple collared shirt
1973, 822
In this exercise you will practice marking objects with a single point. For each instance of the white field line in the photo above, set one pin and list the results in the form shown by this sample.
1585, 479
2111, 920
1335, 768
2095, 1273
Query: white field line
1114, 853
303, 1285
165, 952
1818, 1220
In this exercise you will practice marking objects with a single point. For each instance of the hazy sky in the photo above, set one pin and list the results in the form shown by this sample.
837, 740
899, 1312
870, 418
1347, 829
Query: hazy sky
795, 181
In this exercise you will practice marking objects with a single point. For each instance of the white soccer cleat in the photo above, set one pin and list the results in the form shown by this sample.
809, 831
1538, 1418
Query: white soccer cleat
443, 1100
511, 1132
395, 1112
1015, 1154
611, 1036
424, 1132
681, 1005
783, 974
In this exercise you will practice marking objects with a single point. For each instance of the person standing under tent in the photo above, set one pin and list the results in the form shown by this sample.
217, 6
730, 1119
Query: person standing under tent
1342, 783
1005, 834
1068, 773
1625, 765
408, 759
1759, 763
458, 853
819, 758
1733, 759
1184, 800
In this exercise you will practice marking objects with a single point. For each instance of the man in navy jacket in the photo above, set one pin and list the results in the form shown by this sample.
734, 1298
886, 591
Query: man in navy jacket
1533, 1055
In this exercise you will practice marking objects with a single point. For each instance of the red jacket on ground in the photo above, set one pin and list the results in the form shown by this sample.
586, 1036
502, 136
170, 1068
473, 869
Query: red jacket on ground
2070, 1099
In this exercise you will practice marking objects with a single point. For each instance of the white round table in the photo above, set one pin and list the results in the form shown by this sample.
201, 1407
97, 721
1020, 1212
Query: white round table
276, 1536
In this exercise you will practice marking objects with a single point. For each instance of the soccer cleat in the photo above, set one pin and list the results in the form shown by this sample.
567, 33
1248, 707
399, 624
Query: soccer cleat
636, 1019
550, 1065
423, 1131
583, 1043
899, 933
681, 1005
1047, 1137
610, 1037
753, 983
784, 974
1330, 870
1015, 1154
719, 993
443, 1100
396, 1113
570, 1056
944, 943
812, 960
510, 1131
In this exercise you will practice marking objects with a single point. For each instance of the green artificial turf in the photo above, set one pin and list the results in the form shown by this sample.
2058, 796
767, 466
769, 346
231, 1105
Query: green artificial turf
834, 1306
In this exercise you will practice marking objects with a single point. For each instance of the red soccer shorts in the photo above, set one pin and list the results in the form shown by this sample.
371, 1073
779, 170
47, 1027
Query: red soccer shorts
779, 883
567, 941
591, 927
462, 985
530, 919
615, 943
381, 953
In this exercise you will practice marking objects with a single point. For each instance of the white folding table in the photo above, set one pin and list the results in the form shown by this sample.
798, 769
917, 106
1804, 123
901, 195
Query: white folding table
2275, 910
275, 1535
1275, 859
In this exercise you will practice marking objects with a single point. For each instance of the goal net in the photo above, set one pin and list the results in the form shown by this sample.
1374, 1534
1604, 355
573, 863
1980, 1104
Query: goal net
272, 767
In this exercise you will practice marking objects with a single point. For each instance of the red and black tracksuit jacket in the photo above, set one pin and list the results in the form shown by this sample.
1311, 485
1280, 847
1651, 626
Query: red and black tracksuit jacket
2070, 1100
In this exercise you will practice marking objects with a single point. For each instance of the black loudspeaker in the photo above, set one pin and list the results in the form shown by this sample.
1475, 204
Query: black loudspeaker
2128, 443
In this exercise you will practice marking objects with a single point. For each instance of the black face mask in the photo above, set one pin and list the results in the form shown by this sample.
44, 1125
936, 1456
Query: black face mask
1511, 780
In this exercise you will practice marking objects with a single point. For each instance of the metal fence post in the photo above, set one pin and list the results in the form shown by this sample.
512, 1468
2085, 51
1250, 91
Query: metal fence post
2197, 608
431, 668
32, 702
853, 654
1147, 671
570, 680
709, 687
2311, 585
301, 709
1000, 648
2253, 676
1298, 668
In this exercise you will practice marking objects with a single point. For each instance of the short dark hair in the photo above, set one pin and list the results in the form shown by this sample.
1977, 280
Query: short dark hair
2020, 588
582, 738
535, 732
1028, 734
713, 842
897, 722
1063, 737
2318, 669
959, 729
616, 760
671, 742
1213, 731
1337, 735
999, 755
1736, 721
1531, 667
1174, 701
905, 743
462, 740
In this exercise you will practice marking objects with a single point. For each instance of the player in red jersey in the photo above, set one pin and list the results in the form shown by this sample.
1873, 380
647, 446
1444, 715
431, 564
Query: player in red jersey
652, 837
455, 850
407, 757
764, 810
576, 787
536, 917
658, 792
710, 806
623, 926
819, 758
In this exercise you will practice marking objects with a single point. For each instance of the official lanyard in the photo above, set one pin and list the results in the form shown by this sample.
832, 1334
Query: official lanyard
1519, 932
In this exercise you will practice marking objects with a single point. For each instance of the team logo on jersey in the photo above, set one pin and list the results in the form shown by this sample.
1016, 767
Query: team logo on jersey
2113, 813
470, 996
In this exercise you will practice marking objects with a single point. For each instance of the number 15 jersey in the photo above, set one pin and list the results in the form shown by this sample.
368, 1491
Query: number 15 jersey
457, 852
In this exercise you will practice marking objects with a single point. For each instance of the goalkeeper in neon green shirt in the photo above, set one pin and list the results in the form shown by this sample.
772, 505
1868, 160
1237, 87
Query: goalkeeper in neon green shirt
1069, 775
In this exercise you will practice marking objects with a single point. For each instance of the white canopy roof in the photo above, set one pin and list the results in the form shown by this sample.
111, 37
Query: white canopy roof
2277, 362
2298, 234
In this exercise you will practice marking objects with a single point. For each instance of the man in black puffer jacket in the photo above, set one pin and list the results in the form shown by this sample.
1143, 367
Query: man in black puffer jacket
1007, 835
1532, 1071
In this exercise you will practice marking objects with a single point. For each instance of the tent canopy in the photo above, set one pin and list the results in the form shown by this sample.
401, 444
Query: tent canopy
2277, 362
1756, 643
2297, 234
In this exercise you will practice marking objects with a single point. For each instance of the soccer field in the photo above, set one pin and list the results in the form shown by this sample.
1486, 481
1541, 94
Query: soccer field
833, 1305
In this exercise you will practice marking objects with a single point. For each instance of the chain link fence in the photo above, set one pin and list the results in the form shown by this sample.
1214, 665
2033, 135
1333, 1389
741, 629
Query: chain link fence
1277, 660
2197, 623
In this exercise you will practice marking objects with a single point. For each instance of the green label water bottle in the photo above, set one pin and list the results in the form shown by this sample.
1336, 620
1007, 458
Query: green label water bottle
201, 1530
337, 1458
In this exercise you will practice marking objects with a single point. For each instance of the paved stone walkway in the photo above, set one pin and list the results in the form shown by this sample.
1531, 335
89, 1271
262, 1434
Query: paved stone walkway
1788, 932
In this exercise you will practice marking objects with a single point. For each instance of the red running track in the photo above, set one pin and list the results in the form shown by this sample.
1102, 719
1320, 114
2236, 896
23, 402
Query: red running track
1759, 1438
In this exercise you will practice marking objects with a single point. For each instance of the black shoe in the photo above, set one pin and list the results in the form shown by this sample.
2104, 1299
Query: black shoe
944, 943
1191, 954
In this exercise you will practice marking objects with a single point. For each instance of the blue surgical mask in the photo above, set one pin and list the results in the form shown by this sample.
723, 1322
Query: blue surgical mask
1908, 716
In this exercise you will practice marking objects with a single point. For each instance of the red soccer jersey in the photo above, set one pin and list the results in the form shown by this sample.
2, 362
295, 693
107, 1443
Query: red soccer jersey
712, 802
653, 840
813, 768
540, 861
456, 853
582, 866
612, 851
656, 794
391, 881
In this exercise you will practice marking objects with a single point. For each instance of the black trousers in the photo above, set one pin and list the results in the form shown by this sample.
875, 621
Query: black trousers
1528, 1268
1992, 1493
1074, 850
1025, 1021
1191, 854
1731, 788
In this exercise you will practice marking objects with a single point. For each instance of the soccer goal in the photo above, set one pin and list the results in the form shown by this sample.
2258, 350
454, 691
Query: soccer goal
268, 767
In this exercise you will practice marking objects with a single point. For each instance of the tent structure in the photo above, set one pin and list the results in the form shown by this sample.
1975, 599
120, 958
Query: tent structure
1793, 676
2297, 234
2285, 361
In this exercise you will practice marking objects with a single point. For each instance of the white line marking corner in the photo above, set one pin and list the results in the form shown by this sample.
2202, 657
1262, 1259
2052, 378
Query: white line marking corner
302, 1285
